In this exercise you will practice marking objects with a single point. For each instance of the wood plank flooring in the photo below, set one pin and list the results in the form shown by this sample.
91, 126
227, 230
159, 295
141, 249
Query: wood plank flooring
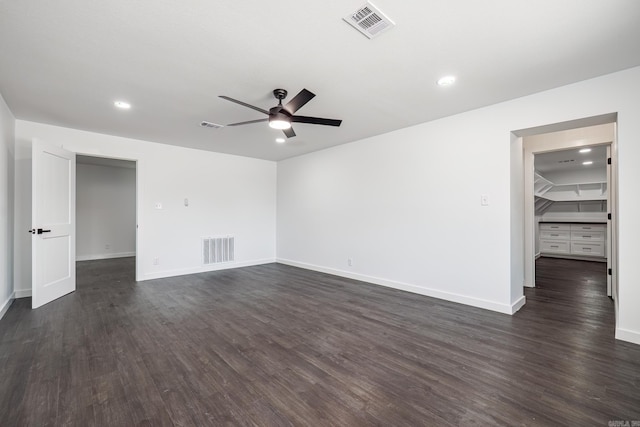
275, 345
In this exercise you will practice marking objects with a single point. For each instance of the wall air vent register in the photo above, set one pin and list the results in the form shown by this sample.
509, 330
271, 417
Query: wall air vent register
218, 249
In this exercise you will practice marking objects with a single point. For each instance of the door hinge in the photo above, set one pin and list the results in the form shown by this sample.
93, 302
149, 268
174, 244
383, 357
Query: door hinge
608, 216
610, 272
609, 161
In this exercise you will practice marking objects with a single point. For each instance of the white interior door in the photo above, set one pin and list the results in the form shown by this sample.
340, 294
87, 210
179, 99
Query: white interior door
53, 221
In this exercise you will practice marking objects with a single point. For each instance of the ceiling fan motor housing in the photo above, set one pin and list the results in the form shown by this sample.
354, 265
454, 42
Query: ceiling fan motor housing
280, 112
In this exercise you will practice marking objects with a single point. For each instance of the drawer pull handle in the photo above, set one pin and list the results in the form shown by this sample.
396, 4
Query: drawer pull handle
555, 235
554, 227
586, 237
554, 246
586, 228
586, 249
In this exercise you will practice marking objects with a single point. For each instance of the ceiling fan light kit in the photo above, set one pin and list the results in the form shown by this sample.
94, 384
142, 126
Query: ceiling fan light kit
281, 116
279, 124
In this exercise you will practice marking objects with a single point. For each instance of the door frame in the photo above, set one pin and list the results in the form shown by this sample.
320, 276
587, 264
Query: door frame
138, 203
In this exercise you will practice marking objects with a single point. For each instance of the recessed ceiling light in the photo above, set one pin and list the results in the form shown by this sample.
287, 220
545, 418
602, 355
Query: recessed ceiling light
585, 150
589, 162
122, 104
446, 81
279, 140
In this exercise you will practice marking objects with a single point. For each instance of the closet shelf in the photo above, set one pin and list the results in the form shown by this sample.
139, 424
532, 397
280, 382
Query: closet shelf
549, 190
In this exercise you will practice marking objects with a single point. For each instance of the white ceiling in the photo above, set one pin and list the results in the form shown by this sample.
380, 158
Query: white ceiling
571, 160
65, 62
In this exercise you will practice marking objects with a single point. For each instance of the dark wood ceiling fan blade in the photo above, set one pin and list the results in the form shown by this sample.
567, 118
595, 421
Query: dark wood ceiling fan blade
316, 120
244, 104
299, 100
248, 122
289, 132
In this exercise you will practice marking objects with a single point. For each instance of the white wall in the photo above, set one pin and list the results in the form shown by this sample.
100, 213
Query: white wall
7, 126
405, 206
228, 195
105, 211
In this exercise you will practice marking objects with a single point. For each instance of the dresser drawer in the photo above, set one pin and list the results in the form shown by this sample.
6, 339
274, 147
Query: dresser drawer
555, 227
554, 247
555, 235
596, 236
587, 248
589, 227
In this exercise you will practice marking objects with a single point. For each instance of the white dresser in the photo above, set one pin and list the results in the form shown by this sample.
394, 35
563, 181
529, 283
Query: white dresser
573, 240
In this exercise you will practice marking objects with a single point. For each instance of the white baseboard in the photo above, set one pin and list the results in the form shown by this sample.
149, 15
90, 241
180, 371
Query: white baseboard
447, 296
104, 256
627, 335
22, 293
5, 306
518, 304
204, 269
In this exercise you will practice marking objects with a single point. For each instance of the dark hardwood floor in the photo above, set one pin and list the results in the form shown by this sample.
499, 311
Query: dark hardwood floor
275, 345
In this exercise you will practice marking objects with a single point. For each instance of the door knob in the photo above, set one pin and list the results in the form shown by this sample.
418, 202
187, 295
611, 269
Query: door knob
39, 231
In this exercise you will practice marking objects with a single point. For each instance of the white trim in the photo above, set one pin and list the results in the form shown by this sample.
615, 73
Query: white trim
447, 296
206, 268
104, 256
627, 335
22, 293
518, 304
7, 304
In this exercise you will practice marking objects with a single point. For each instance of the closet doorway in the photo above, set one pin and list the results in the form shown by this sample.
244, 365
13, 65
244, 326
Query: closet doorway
570, 204
571, 191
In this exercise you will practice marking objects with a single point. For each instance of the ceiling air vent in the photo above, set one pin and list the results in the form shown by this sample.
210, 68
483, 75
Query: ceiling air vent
206, 124
369, 20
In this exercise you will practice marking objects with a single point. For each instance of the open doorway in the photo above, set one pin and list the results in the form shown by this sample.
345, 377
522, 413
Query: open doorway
105, 208
571, 197
580, 198
571, 192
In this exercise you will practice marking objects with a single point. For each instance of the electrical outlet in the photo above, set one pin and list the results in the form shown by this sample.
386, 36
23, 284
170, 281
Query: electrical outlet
349, 262
156, 261
158, 205
484, 200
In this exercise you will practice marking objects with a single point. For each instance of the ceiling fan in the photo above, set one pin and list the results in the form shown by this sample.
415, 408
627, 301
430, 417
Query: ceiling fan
281, 116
